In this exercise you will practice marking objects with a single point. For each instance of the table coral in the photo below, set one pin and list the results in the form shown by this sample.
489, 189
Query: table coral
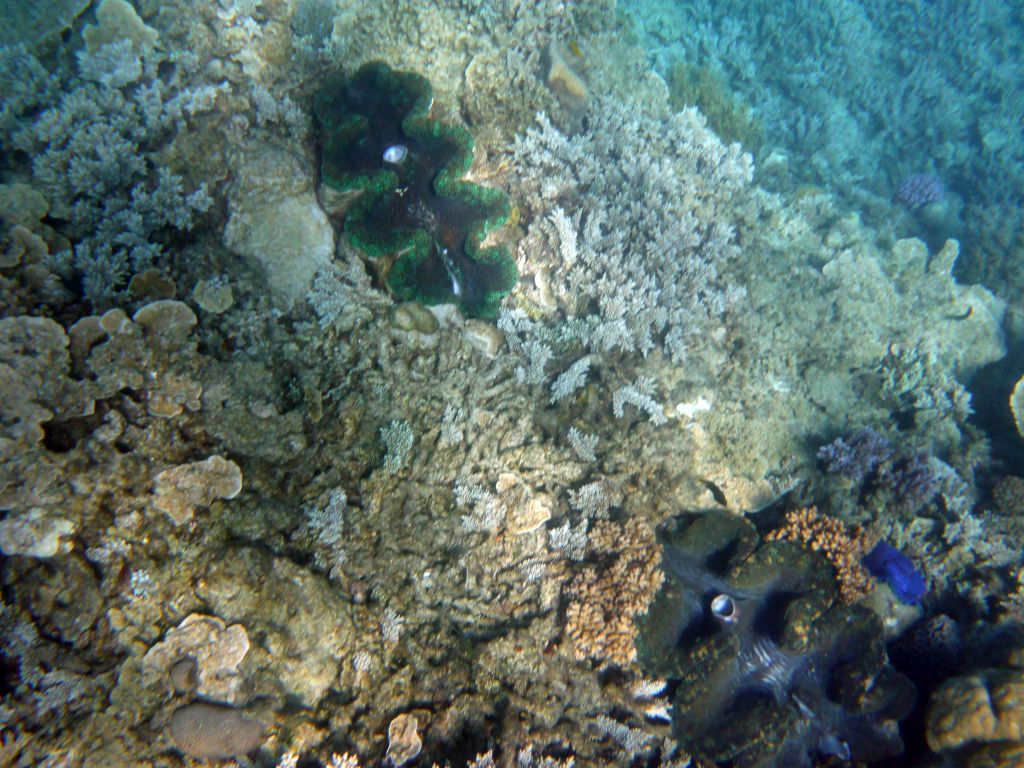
415, 212
772, 668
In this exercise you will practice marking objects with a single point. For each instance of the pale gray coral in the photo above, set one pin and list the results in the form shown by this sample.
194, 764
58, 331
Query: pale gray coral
584, 444
634, 216
483, 509
639, 394
571, 379
398, 439
595, 499
93, 154
342, 296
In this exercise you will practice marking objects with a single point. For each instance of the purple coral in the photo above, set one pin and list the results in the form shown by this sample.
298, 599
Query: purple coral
911, 480
857, 456
919, 189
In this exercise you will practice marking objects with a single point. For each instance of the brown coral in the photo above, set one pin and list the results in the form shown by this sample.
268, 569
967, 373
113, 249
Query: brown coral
842, 546
609, 594
986, 707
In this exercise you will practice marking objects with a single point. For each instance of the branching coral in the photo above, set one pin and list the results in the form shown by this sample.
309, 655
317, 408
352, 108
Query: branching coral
843, 547
631, 222
772, 668
415, 211
607, 597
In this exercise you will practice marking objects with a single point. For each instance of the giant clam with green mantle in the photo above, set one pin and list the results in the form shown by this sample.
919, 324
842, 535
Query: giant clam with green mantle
414, 213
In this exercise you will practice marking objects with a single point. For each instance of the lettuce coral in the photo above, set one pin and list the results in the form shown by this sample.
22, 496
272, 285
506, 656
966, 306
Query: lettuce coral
773, 670
414, 211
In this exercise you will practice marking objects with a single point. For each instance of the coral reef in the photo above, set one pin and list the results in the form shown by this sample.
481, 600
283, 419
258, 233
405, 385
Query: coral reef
259, 505
93, 155
824, 79
658, 257
378, 138
728, 116
855, 457
772, 669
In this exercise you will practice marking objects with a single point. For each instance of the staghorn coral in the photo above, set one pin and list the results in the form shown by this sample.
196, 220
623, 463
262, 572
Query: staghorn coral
842, 546
94, 155
632, 221
607, 595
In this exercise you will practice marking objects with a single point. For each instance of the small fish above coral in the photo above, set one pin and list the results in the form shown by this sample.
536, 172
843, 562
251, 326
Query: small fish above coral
414, 214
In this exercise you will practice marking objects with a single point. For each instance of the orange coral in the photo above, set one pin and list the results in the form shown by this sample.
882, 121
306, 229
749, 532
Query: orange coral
842, 546
608, 595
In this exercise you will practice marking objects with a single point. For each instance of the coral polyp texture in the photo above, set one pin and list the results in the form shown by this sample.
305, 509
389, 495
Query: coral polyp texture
415, 212
773, 668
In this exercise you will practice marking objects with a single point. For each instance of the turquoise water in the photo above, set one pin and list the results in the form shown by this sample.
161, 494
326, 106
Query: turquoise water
533, 400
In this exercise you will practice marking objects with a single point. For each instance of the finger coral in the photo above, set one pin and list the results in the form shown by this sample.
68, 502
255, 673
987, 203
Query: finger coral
607, 596
414, 212
843, 547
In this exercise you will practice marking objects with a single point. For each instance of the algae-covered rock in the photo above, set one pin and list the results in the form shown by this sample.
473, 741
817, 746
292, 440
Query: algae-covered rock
771, 666
275, 218
305, 628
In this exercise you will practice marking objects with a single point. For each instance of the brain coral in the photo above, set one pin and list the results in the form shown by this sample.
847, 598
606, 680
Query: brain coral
773, 669
414, 213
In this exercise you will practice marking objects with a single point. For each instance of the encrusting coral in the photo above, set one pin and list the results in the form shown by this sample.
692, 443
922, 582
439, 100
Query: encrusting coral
415, 210
978, 719
842, 546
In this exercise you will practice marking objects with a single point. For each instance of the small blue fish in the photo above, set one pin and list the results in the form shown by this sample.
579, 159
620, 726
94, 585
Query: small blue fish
897, 570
